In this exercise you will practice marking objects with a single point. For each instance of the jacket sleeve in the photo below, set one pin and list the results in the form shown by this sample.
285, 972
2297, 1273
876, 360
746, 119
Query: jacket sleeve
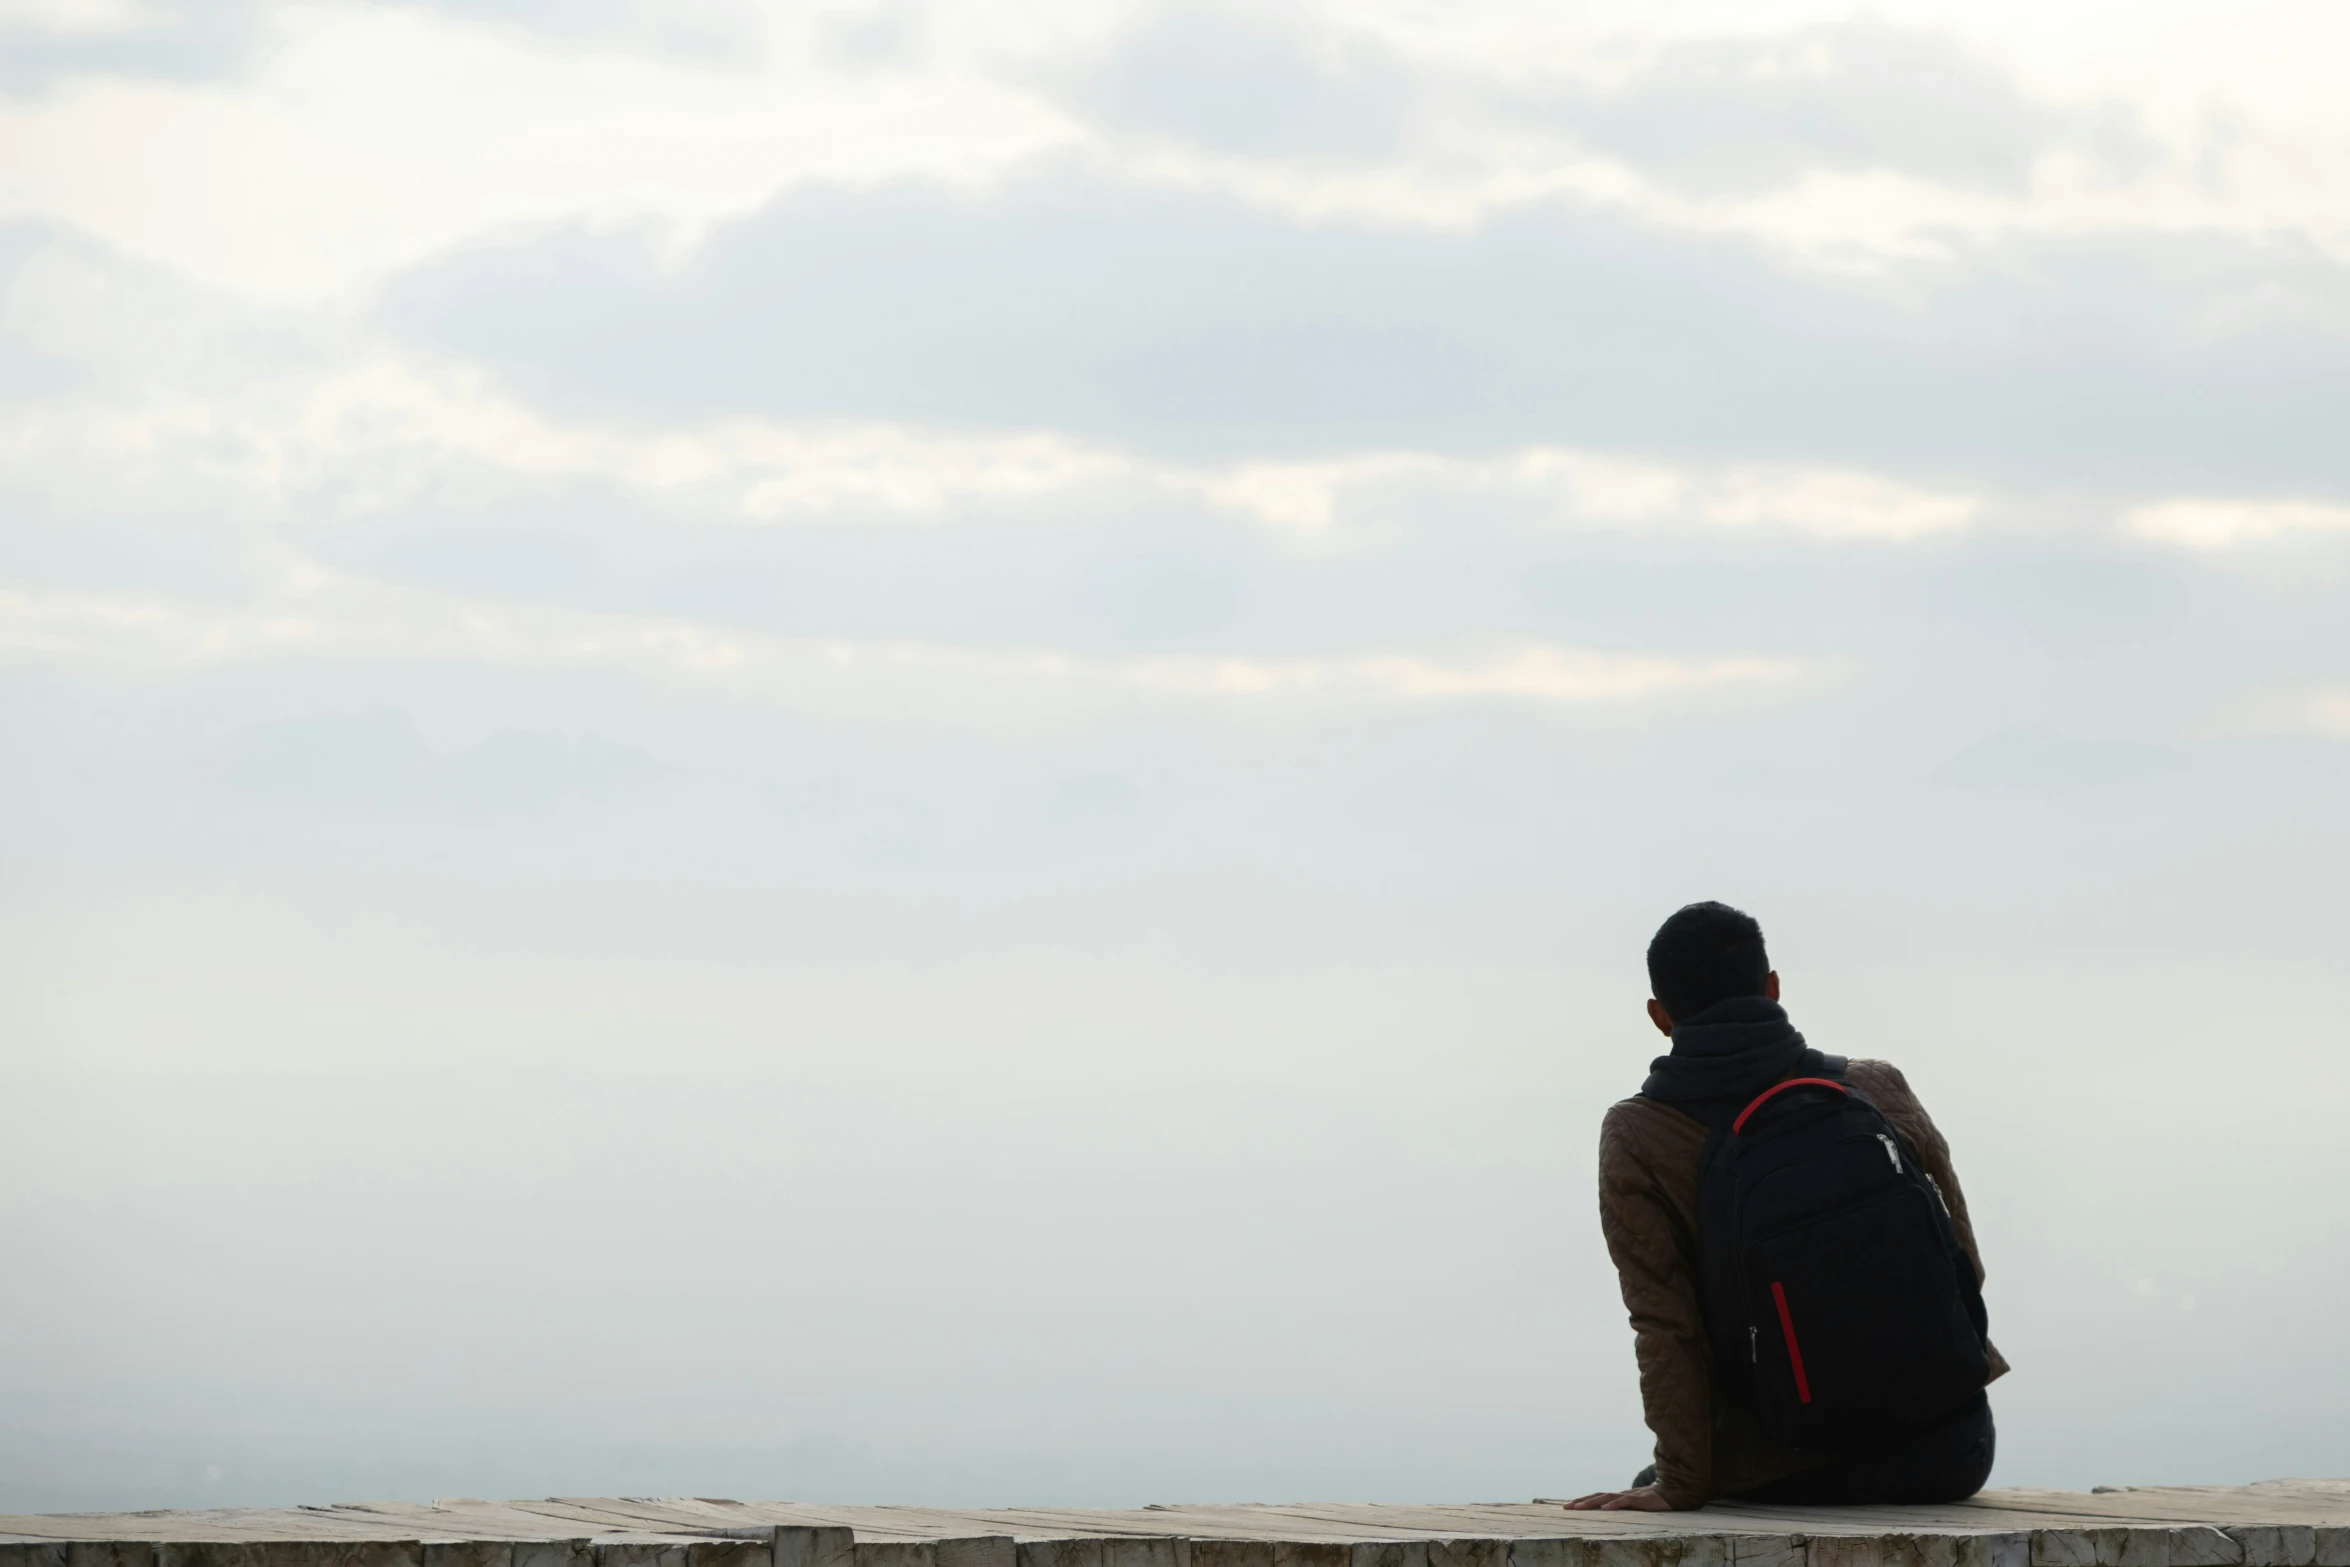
1883, 1082
1660, 1293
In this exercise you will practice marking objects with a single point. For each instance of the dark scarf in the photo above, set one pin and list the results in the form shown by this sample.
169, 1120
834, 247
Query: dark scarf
1725, 1055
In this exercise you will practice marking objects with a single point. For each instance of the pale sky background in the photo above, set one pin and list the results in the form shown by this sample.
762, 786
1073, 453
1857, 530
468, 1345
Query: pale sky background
919, 752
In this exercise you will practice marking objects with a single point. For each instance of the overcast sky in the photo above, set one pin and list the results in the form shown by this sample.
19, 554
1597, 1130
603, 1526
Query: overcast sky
918, 752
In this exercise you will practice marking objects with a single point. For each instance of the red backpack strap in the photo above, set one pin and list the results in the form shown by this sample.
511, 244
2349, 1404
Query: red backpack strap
1763, 1098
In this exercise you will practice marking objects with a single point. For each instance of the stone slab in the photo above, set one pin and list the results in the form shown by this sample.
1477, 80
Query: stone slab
2284, 1523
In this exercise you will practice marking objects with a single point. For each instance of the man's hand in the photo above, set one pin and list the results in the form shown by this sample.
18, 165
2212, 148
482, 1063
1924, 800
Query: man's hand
1641, 1499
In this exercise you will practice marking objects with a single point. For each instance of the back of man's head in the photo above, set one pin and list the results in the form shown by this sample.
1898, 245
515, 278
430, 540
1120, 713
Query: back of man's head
1705, 953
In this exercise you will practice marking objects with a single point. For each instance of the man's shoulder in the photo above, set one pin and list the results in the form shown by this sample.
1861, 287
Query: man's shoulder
1648, 1149
1642, 1123
1877, 1079
1640, 1110
1890, 1092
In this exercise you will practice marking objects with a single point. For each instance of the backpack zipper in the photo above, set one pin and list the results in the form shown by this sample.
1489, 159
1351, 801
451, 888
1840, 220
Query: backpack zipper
1753, 1345
1891, 1152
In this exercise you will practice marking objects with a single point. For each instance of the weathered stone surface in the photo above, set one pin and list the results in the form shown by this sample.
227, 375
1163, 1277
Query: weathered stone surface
1883, 1550
2001, 1549
1231, 1553
1714, 1550
2134, 1546
2200, 1545
639, 1552
1846, 1550
2292, 1523
730, 1553
2075, 1547
289, 1553
1311, 1553
466, 1553
894, 1553
2276, 1545
2011, 1549
1549, 1553
977, 1550
1060, 1553
796, 1545
1478, 1552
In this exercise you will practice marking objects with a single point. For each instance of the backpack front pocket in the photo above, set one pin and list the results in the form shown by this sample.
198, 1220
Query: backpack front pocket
1861, 1324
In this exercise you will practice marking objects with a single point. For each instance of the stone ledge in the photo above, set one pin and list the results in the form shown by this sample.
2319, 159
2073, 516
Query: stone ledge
2278, 1524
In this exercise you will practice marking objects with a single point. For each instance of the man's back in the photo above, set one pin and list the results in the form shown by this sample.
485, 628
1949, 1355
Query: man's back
1713, 992
1649, 1153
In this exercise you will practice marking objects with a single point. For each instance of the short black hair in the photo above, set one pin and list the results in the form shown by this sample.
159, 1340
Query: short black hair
1707, 952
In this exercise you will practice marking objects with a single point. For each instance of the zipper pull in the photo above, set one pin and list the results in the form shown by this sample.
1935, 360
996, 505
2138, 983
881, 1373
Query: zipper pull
1753, 1345
1891, 1152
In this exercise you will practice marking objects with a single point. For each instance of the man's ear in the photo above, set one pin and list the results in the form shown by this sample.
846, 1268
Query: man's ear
1664, 1020
1771, 986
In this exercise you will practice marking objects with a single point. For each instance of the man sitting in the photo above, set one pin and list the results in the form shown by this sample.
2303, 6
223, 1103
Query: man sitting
1715, 995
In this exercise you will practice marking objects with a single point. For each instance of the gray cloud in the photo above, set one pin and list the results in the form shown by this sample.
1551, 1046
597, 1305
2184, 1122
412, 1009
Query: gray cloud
201, 40
1259, 81
1710, 116
1741, 114
191, 41
704, 32
882, 33
1189, 323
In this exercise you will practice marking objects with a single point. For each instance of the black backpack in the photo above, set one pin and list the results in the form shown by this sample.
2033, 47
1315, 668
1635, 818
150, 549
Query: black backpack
1842, 1308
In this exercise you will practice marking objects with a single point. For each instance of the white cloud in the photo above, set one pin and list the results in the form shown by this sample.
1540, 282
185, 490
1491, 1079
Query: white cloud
2327, 713
1308, 496
2293, 709
72, 16
375, 424
183, 395
1600, 488
765, 469
2201, 524
367, 137
1603, 489
1834, 503
318, 615
364, 137
1535, 672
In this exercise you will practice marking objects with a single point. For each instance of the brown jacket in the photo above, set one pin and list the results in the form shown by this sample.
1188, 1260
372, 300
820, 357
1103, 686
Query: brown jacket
1648, 1153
